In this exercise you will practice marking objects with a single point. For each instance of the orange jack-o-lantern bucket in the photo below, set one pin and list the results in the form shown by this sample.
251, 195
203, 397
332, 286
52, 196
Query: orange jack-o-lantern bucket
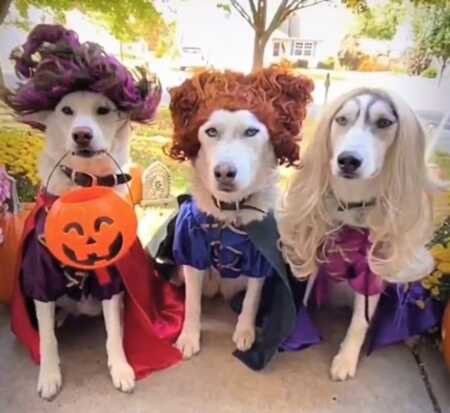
90, 228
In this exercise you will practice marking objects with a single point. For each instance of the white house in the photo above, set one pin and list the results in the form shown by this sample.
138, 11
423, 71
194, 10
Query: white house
312, 34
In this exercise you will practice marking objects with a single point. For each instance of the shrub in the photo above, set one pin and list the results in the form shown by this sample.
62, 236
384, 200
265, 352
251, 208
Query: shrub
286, 63
371, 64
430, 73
350, 55
327, 64
417, 60
301, 64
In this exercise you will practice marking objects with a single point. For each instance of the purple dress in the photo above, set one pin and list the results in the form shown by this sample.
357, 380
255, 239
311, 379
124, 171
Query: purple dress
203, 242
404, 310
43, 278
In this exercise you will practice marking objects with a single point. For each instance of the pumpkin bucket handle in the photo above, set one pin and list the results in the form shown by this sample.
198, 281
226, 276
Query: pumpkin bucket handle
73, 153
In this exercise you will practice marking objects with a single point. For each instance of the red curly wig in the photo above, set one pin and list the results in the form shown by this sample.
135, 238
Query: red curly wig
274, 95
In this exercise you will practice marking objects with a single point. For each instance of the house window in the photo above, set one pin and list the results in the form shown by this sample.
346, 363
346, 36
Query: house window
276, 49
303, 48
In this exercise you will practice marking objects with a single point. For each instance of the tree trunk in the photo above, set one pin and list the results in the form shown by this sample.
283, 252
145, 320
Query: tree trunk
4, 8
259, 47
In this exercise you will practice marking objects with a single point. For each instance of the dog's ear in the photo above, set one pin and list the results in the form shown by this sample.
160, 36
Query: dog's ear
37, 120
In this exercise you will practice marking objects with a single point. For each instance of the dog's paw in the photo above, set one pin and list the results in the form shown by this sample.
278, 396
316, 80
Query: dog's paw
188, 343
122, 375
343, 367
49, 382
244, 337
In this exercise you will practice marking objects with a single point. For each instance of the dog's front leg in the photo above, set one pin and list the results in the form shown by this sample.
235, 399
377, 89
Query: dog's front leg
189, 340
244, 333
345, 362
50, 379
122, 373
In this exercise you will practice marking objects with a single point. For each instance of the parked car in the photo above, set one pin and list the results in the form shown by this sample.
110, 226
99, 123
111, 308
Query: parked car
191, 58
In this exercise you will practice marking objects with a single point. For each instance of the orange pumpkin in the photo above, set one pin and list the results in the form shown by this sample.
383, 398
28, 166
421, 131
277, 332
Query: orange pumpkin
12, 227
446, 335
90, 228
136, 184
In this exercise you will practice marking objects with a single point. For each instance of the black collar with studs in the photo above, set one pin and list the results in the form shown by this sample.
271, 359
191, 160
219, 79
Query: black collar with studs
85, 180
344, 206
235, 206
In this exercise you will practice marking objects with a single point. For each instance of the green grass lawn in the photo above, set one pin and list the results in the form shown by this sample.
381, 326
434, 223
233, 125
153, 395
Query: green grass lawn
442, 159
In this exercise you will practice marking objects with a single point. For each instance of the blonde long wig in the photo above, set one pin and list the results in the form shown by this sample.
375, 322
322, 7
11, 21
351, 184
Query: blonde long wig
399, 223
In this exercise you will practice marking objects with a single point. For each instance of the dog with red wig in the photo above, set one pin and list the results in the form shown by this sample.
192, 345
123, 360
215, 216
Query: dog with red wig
236, 130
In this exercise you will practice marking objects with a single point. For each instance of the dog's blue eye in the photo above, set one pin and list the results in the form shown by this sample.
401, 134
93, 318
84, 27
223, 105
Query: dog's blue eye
211, 132
383, 123
103, 110
341, 120
251, 132
67, 110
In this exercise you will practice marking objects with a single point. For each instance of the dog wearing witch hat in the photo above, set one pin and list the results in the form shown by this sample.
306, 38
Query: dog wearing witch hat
235, 130
85, 100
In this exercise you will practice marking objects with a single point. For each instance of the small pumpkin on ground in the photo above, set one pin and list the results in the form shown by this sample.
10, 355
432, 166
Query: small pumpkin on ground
136, 184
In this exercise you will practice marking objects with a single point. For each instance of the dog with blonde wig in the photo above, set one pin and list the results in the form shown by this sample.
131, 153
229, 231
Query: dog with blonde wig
363, 176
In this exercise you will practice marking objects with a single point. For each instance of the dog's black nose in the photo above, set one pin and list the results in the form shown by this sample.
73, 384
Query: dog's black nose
349, 162
225, 172
82, 137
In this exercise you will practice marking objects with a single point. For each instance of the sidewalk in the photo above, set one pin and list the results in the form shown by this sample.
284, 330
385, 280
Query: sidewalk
215, 382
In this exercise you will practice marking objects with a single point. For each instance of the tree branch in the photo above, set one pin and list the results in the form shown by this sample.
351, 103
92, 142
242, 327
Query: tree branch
300, 5
291, 8
263, 14
253, 9
276, 20
242, 12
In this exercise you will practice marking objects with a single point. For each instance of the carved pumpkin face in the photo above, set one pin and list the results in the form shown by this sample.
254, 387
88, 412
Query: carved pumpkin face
90, 228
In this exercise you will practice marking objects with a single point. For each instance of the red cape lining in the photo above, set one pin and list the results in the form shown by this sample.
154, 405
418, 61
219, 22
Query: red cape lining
153, 316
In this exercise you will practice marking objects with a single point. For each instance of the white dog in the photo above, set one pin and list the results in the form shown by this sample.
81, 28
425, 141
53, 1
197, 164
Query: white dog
226, 124
364, 168
73, 92
83, 123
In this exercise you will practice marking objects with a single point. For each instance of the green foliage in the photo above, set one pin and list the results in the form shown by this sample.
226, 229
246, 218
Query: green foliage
429, 2
381, 22
431, 26
127, 20
430, 73
437, 32
166, 43
358, 6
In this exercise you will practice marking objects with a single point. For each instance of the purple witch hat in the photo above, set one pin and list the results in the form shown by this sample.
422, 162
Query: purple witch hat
53, 63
